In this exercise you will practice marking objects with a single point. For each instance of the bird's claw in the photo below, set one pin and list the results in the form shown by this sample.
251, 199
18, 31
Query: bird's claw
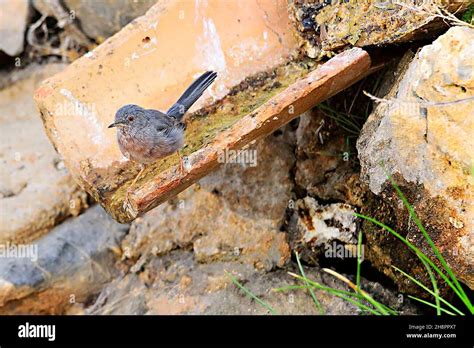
126, 201
182, 168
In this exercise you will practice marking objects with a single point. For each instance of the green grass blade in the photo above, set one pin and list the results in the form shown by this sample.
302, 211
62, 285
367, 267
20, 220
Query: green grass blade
325, 288
360, 295
289, 287
347, 126
435, 286
424, 287
310, 289
369, 298
342, 119
421, 255
430, 304
250, 294
417, 221
468, 16
358, 304
359, 258
376, 304
336, 292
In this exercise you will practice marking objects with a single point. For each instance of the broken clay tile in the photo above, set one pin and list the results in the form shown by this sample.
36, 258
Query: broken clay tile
150, 62
78, 104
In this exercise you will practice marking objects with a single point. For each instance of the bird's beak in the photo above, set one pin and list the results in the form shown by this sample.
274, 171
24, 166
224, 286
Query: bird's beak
116, 124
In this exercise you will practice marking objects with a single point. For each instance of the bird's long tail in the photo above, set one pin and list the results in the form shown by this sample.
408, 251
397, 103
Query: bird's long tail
191, 95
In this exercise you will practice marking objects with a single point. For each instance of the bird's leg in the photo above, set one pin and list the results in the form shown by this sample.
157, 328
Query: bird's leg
134, 181
182, 170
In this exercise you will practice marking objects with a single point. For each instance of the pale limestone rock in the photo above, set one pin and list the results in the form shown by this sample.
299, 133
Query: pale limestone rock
36, 191
425, 135
13, 21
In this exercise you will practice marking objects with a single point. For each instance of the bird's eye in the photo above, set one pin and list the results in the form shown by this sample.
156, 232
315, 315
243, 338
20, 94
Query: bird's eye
130, 118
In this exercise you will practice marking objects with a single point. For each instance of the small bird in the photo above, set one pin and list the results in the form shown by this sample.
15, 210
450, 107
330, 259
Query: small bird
145, 135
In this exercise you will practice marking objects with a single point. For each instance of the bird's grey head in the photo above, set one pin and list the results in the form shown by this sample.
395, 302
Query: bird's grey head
128, 115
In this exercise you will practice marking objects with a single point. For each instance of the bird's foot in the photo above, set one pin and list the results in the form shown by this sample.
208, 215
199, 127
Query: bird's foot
128, 207
126, 202
127, 194
182, 165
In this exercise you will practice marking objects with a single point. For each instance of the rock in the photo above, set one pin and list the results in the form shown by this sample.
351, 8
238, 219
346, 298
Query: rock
36, 191
13, 20
423, 136
56, 32
101, 19
251, 49
233, 214
324, 167
65, 267
325, 28
159, 289
315, 226
123, 295
317, 229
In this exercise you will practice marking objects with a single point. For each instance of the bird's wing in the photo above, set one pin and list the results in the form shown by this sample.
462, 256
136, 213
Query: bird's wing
160, 121
191, 95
